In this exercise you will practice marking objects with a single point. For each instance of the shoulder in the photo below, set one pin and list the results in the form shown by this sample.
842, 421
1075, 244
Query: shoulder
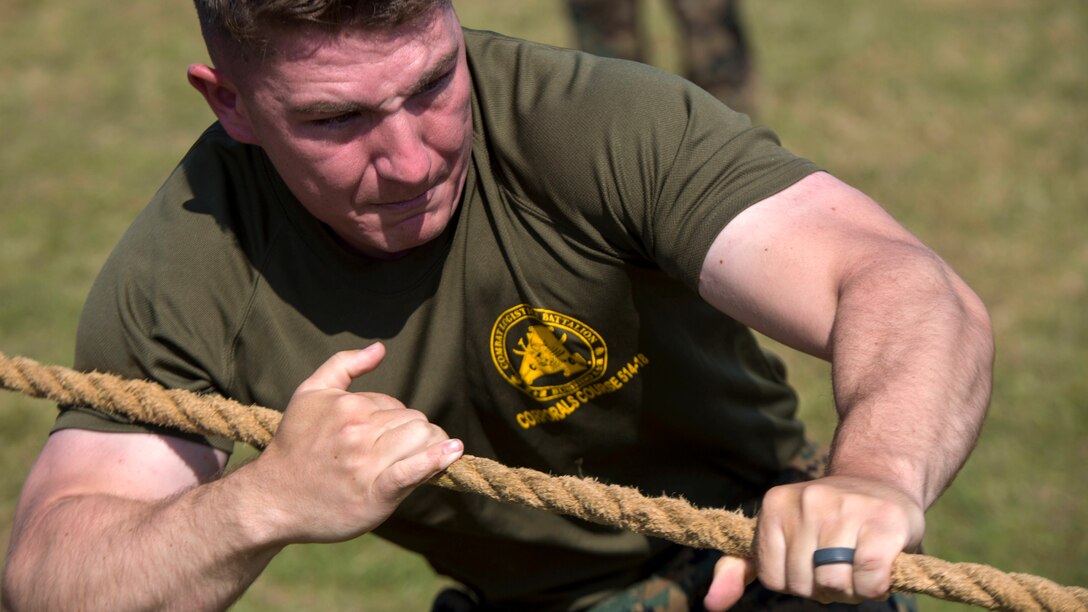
544, 111
544, 83
222, 201
171, 295
619, 148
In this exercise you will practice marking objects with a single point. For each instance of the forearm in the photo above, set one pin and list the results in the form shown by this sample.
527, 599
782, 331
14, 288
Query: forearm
822, 268
196, 550
912, 354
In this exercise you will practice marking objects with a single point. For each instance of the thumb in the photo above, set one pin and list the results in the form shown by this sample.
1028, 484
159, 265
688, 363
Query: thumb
343, 367
731, 576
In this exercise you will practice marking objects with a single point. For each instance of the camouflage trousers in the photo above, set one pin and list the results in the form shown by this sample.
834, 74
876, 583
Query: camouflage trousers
714, 49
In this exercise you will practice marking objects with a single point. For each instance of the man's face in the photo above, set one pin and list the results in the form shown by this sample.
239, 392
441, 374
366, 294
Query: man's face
371, 130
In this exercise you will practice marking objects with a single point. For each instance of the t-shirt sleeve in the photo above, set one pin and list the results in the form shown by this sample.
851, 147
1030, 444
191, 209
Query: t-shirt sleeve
635, 159
675, 168
714, 175
163, 305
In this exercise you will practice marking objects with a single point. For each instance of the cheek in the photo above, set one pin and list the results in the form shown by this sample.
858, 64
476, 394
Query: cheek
340, 169
320, 170
450, 130
443, 135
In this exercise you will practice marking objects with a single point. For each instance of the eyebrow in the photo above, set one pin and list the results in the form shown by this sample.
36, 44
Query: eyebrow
444, 64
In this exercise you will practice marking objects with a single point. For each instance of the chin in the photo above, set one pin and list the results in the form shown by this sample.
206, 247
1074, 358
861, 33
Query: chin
406, 238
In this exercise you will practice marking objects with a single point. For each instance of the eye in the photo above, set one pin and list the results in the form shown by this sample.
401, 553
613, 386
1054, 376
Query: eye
436, 84
335, 121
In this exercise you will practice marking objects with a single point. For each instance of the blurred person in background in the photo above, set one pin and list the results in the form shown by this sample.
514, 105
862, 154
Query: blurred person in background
714, 50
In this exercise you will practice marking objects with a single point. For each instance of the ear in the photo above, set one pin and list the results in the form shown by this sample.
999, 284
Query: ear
222, 96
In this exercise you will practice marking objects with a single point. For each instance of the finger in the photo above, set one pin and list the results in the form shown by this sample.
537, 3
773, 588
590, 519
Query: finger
835, 581
789, 560
411, 437
731, 576
873, 563
403, 476
798, 562
891, 529
770, 543
392, 414
343, 367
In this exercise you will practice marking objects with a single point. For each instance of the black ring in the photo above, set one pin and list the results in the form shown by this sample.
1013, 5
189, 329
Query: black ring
827, 556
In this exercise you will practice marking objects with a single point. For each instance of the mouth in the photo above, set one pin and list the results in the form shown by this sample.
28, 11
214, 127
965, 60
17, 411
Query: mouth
419, 200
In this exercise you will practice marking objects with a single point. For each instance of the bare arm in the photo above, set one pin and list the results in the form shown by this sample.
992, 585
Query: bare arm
119, 521
136, 521
824, 269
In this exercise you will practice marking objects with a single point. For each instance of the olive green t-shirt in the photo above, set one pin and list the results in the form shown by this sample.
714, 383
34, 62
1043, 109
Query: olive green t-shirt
554, 325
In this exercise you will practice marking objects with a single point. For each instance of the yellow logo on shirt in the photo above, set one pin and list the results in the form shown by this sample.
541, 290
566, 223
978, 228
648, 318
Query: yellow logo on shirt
546, 354
556, 360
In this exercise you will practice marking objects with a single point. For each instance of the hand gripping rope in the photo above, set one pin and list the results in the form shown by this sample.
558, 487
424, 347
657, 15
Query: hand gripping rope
662, 517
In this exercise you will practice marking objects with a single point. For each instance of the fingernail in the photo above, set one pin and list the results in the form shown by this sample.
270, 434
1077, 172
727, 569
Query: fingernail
451, 451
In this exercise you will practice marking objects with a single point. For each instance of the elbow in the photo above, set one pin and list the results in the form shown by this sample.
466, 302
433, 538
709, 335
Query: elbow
983, 332
978, 327
954, 301
975, 346
29, 581
26, 582
15, 583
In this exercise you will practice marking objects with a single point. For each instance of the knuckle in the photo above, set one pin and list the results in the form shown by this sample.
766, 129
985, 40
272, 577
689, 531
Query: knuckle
399, 478
344, 405
872, 575
773, 581
413, 415
867, 561
402, 477
777, 498
416, 429
799, 587
409, 436
836, 584
817, 497
886, 509
833, 583
380, 401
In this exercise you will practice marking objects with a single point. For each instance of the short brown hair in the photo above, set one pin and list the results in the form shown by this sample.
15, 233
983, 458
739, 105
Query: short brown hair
244, 25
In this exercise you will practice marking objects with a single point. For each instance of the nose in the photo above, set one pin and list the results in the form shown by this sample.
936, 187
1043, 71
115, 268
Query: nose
400, 154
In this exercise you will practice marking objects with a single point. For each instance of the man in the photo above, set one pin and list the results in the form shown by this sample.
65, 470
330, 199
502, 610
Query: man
401, 231
714, 49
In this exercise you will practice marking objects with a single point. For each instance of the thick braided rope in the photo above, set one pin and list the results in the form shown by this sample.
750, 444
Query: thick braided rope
672, 519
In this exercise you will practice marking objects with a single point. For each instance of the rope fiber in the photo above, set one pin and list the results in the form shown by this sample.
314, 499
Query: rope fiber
668, 518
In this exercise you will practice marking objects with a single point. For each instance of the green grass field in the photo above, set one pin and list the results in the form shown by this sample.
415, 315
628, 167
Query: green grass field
967, 119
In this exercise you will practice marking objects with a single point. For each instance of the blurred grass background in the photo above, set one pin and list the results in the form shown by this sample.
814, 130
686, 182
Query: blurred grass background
967, 119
